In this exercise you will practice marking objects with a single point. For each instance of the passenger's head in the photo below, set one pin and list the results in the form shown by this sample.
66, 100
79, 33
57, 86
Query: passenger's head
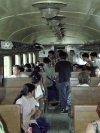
46, 60
95, 72
72, 52
16, 70
27, 90
36, 78
84, 78
37, 69
93, 56
51, 54
27, 66
63, 55
41, 65
85, 56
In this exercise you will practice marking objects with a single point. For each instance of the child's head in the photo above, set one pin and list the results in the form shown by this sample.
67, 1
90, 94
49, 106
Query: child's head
84, 78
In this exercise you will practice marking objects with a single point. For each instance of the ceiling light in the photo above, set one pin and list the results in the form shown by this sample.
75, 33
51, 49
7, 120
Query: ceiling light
54, 22
49, 9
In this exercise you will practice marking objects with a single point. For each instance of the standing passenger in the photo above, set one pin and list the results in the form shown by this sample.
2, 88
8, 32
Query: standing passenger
96, 62
63, 73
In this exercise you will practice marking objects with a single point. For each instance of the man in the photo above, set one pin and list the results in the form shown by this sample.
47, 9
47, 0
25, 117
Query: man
63, 73
16, 72
52, 58
96, 62
74, 59
85, 57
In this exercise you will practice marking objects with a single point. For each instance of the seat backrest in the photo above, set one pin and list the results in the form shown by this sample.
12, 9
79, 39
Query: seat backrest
83, 115
84, 96
10, 118
75, 74
94, 81
9, 94
15, 82
26, 73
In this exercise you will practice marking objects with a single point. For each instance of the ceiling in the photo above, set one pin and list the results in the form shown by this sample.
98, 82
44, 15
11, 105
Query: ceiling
22, 23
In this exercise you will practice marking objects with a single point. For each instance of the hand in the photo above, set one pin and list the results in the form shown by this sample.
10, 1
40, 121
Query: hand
87, 64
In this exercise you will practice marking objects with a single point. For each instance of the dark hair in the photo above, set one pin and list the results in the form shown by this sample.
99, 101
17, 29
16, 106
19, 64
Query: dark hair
32, 65
17, 66
41, 64
59, 51
85, 55
84, 78
37, 69
93, 54
21, 69
63, 55
51, 52
92, 74
27, 65
82, 67
36, 77
25, 90
46, 60
72, 51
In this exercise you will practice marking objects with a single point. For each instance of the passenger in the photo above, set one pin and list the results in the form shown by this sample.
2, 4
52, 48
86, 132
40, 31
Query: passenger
27, 67
39, 89
85, 57
95, 72
94, 126
37, 63
16, 72
41, 67
74, 59
32, 66
63, 72
84, 79
27, 103
96, 62
36, 70
52, 58
80, 60
52, 92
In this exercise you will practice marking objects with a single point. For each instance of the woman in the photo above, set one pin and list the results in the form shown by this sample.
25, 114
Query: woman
95, 72
27, 103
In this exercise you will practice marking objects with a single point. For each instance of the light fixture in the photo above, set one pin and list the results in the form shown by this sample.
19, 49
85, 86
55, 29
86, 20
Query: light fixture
49, 9
54, 22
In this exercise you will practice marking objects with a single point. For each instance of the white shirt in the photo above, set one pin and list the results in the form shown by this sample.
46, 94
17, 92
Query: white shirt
38, 92
26, 106
81, 62
75, 59
97, 63
83, 85
21, 75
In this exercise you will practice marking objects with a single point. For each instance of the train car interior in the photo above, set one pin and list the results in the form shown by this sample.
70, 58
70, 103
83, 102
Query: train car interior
29, 29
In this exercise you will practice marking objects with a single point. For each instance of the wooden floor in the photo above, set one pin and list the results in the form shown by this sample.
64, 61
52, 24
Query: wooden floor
58, 122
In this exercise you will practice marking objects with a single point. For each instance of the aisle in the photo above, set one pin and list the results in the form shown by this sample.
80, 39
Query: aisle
58, 122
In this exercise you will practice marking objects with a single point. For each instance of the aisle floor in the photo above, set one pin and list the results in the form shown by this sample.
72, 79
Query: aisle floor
58, 122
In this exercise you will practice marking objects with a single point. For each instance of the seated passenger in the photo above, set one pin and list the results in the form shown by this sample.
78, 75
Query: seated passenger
95, 72
27, 103
84, 79
16, 72
94, 126
27, 67
39, 89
